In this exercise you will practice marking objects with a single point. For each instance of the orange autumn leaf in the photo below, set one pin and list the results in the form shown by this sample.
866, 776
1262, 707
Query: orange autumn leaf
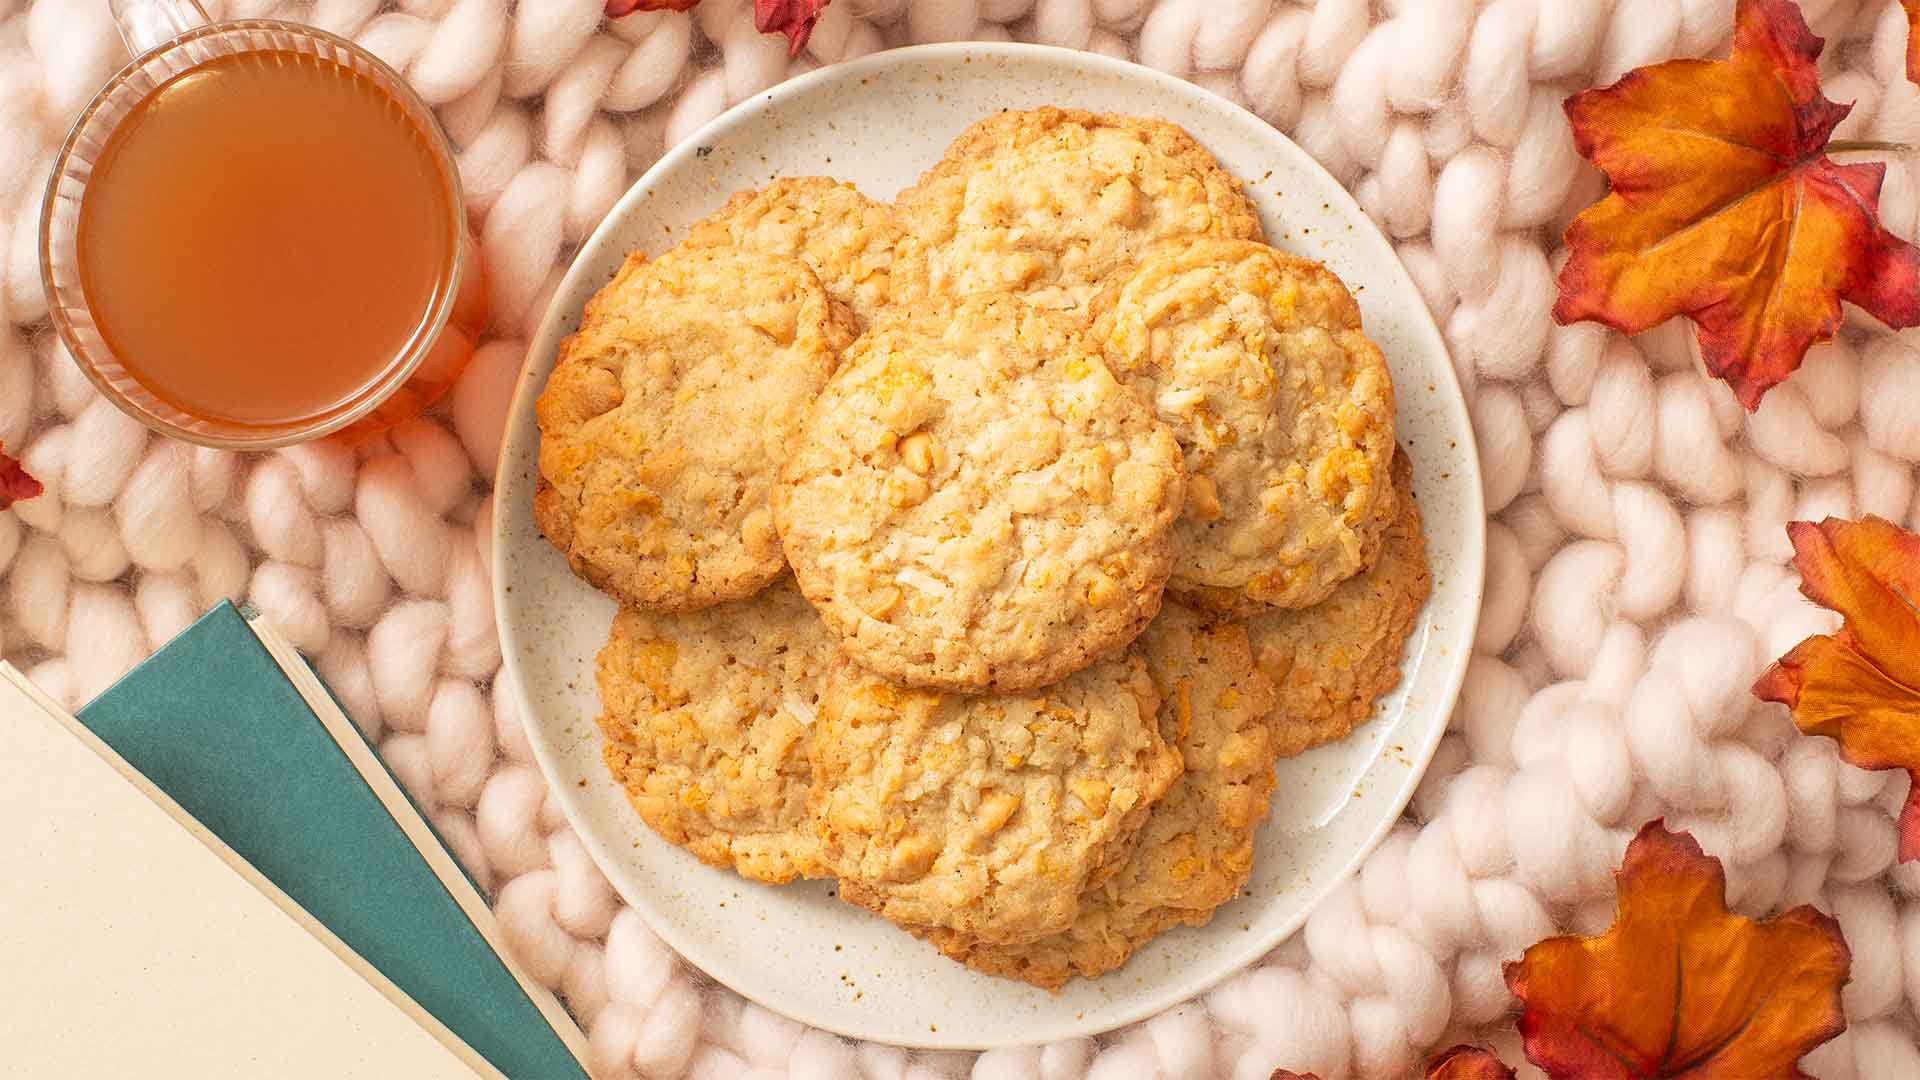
1913, 38
1467, 1063
15, 482
1860, 686
1725, 208
1680, 986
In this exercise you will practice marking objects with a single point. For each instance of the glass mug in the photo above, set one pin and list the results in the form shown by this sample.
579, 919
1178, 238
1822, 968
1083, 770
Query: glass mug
255, 235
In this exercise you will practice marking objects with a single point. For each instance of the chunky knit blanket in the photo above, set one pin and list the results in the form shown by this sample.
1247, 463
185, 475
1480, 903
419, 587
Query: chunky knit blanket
1637, 566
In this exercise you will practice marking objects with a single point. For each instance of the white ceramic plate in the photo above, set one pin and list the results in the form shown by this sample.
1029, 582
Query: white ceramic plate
879, 121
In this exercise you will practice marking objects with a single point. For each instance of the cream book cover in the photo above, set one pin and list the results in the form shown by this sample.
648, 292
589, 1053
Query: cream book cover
134, 942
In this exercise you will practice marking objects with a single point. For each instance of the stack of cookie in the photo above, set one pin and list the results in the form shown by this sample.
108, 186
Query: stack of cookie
984, 552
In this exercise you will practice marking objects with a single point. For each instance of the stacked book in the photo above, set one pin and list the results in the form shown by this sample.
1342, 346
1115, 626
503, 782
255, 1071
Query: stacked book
211, 874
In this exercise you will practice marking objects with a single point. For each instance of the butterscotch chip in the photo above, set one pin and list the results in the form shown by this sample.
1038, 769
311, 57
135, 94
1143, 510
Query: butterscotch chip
708, 717
844, 236
1196, 848
668, 416
1333, 661
983, 815
1283, 408
977, 503
1045, 203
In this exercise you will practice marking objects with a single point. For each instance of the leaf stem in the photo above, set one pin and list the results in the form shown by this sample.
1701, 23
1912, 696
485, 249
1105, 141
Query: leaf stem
1849, 146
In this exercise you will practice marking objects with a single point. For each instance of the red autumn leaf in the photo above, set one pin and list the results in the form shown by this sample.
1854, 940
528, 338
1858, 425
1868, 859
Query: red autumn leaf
1680, 986
1725, 208
1467, 1063
1860, 686
794, 18
15, 482
617, 8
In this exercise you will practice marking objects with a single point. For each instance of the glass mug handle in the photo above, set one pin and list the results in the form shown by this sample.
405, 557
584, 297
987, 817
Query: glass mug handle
146, 24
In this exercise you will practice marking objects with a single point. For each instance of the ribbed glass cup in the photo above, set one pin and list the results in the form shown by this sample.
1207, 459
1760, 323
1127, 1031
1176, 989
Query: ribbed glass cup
423, 370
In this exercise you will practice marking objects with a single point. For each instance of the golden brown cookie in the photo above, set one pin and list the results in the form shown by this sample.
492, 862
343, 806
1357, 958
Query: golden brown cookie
844, 236
668, 415
977, 503
1332, 661
983, 815
1283, 408
1196, 848
1045, 203
707, 717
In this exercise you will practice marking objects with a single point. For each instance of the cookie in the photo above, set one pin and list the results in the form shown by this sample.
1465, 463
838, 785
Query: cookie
977, 503
1283, 408
708, 717
844, 236
985, 815
1332, 661
668, 416
1196, 849
1047, 202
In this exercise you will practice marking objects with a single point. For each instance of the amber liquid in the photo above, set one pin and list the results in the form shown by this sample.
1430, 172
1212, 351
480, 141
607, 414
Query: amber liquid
266, 237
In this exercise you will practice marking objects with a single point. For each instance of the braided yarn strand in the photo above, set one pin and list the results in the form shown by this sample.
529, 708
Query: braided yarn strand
1637, 565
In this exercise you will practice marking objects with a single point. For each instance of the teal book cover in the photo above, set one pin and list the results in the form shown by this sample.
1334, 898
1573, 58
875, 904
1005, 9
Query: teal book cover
217, 724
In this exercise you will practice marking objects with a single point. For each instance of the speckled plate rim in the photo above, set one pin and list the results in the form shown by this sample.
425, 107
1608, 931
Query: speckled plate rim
1451, 647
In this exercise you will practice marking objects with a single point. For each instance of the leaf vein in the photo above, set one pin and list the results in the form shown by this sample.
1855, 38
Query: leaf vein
1786, 261
1724, 140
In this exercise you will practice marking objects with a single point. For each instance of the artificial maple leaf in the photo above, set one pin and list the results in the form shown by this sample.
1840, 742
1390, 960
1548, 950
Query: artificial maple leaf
1861, 686
1680, 986
1467, 1063
617, 8
1725, 208
1913, 39
794, 18
15, 482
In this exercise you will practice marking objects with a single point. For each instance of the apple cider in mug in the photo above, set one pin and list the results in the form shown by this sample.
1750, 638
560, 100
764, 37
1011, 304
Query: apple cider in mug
266, 245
